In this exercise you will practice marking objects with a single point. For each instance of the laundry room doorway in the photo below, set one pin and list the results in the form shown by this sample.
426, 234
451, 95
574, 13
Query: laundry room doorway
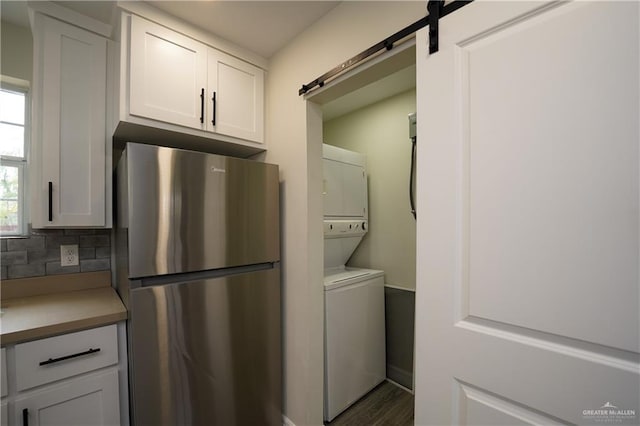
366, 112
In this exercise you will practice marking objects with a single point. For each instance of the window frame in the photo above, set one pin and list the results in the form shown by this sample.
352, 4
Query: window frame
22, 163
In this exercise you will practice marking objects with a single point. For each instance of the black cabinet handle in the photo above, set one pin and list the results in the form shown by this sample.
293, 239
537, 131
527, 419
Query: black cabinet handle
202, 105
62, 358
50, 201
25, 417
214, 109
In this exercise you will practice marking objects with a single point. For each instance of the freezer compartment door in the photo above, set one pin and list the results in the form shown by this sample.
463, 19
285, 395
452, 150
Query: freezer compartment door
208, 352
191, 211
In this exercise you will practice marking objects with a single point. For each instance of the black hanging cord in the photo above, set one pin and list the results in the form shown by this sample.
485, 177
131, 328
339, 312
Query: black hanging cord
411, 179
387, 44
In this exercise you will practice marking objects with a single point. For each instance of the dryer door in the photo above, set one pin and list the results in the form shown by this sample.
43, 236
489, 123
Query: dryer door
345, 189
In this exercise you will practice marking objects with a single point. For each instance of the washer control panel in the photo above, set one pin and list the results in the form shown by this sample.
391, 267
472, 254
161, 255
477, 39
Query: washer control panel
345, 228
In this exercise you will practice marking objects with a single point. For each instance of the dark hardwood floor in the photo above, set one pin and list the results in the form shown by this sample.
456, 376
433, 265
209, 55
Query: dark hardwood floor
386, 405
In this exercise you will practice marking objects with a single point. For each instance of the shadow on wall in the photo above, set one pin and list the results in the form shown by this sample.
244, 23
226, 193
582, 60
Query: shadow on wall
399, 326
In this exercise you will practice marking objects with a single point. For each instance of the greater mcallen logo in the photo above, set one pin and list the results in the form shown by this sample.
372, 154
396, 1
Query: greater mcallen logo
609, 413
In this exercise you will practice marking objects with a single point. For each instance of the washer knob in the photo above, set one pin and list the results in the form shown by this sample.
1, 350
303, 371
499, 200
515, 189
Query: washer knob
364, 226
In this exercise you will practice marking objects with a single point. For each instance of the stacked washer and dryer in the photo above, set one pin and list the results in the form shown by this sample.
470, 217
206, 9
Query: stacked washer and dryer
354, 297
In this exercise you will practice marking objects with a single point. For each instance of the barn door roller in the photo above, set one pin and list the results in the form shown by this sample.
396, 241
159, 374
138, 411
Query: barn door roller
434, 7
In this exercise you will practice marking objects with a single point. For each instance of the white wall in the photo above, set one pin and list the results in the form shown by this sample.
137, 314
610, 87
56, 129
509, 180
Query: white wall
294, 141
17, 51
381, 132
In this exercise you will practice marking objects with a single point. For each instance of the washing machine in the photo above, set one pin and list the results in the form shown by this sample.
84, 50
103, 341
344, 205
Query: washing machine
355, 360
354, 337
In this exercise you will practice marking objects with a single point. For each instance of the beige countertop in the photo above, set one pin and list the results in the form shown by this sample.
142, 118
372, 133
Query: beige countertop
34, 308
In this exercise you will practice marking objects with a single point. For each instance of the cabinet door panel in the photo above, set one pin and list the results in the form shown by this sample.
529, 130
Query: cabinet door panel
167, 75
239, 97
73, 138
88, 401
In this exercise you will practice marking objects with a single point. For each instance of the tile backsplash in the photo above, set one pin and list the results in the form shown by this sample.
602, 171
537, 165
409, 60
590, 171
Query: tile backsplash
39, 253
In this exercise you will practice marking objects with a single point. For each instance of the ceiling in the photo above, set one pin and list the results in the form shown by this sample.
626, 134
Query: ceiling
398, 82
262, 27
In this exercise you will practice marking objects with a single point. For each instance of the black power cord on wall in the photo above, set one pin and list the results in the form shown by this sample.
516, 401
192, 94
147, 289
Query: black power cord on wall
414, 138
411, 176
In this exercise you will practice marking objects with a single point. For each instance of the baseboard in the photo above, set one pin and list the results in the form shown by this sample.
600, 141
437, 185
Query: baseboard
286, 421
399, 375
397, 287
400, 386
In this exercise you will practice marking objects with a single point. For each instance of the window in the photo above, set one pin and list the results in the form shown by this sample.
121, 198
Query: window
14, 138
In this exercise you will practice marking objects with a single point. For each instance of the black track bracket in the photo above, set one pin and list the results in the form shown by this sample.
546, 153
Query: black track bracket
434, 7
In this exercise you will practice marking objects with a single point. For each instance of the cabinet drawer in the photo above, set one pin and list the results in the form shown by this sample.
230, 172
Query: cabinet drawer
46, 360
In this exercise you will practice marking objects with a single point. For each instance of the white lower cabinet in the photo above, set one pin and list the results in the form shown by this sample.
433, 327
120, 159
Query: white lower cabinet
70, 379
47, 360
91, 400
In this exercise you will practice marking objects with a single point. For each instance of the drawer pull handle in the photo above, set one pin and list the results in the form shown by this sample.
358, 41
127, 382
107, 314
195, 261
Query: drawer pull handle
62, 358
25, 417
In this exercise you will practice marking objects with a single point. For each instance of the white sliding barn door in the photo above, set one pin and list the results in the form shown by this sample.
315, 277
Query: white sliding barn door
528, 216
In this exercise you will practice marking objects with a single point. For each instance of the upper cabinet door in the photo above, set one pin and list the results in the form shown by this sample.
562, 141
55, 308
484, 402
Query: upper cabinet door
235, 98
70, 130
167, 75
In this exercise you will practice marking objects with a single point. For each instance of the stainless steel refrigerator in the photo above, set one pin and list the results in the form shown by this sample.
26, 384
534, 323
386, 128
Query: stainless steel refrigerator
197, 265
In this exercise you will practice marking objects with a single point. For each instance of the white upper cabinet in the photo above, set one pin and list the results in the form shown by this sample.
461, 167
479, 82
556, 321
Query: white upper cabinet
182, 85
236, 95
69, 145
168, 75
